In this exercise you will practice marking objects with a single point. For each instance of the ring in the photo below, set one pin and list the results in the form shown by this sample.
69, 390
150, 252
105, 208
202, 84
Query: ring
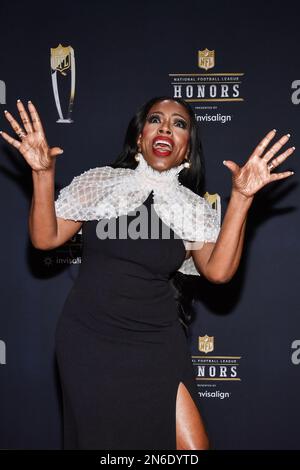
21, 134
270, 166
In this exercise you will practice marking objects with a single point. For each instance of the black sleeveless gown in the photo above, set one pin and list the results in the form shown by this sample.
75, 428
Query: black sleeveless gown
121, 349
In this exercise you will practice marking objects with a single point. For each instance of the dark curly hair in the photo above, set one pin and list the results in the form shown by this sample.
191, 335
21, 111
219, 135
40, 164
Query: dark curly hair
193, 178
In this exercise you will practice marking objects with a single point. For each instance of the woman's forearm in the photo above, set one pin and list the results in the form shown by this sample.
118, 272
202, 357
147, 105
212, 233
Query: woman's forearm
225, 257
239, 250
42, 218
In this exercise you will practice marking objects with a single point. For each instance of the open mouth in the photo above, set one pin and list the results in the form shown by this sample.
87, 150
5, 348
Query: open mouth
162, 147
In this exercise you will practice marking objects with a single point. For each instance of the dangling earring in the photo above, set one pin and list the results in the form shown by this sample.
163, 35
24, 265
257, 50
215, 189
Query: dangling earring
138, 155
187, 164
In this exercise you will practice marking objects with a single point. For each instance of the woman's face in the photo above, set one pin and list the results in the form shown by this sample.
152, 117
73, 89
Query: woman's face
169, 122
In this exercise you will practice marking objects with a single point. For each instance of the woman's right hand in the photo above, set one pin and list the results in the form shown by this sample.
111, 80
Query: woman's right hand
33, 145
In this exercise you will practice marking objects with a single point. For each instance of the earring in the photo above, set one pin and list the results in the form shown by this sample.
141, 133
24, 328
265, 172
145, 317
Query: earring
137, 156
187, 164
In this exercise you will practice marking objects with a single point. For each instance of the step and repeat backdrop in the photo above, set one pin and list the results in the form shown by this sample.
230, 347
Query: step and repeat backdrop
87, 67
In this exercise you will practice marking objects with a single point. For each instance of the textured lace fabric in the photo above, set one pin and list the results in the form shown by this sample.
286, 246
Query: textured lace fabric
105, 192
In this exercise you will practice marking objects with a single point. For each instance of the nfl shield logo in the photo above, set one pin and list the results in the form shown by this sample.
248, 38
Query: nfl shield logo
206, 344
60, 58
206, 59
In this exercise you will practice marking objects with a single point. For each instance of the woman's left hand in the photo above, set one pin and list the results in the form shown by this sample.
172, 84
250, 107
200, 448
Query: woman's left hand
256, 172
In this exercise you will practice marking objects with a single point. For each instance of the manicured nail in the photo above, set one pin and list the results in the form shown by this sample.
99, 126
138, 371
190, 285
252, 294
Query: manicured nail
224, 161
5, 111
293, 148
18, 100
274, 130
288, 135
292, 172
29, 101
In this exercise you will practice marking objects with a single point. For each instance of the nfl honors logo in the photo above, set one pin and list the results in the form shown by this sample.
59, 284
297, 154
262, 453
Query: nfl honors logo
206, 344
206, 59
214, 369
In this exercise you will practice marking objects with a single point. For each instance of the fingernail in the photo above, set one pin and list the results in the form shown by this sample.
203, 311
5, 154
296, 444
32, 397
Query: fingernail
29, 101
288, 135
274, 130
18, 100
224, 161
293, 148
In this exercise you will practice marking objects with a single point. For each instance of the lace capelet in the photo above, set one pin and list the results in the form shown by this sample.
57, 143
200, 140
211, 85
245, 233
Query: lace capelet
105, 192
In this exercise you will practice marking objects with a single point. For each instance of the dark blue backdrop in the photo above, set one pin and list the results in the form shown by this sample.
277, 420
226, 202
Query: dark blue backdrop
125, 53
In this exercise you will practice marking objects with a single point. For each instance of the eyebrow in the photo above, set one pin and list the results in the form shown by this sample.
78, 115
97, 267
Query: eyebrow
174, 114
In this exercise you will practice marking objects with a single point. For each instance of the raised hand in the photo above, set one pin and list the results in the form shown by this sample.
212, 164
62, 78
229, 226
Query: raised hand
256, 172
33, 145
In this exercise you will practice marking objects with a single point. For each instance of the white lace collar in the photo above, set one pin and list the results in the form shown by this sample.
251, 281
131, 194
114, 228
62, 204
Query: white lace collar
105, 192
150, 174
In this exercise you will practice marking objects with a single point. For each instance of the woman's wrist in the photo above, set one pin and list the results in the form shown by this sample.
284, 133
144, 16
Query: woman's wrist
44, 173
240, 199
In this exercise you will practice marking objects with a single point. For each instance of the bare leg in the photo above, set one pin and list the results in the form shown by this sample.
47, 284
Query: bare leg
190, 430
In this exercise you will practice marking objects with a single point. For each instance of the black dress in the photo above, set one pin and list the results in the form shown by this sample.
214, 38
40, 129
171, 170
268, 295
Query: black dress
121, 349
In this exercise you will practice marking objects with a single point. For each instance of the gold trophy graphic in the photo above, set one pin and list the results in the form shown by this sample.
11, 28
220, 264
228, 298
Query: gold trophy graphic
62, 60
215, 201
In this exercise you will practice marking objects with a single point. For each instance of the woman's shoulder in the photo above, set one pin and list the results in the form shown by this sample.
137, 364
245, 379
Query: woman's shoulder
100, 171
93, 171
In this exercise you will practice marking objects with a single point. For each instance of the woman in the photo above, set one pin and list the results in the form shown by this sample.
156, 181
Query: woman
126, 375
